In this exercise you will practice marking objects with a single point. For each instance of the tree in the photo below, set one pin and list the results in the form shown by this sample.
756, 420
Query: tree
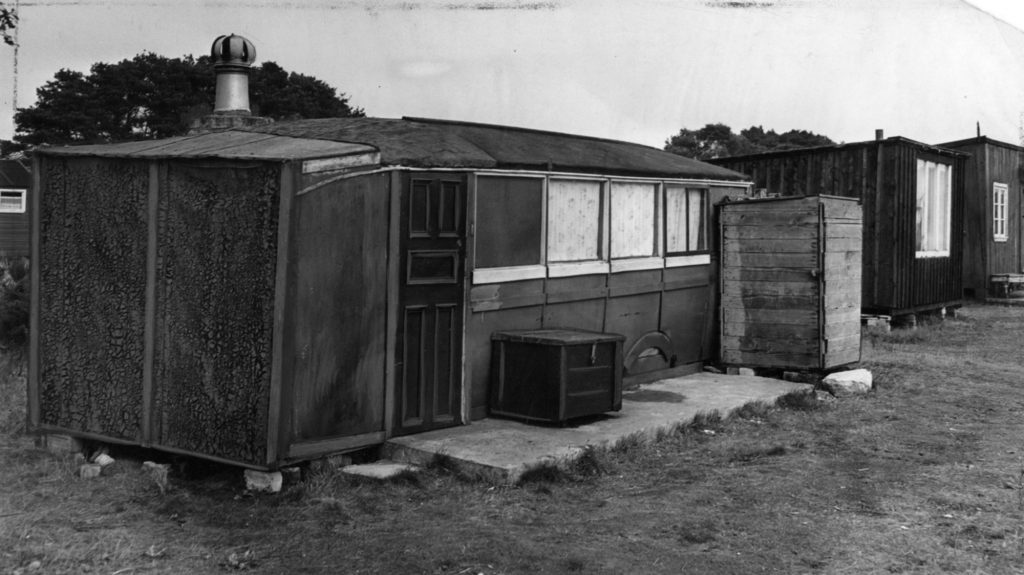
719, 141
8, 21
151, 96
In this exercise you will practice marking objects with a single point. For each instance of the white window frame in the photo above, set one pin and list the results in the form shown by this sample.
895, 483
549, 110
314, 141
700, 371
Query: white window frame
605, 263
1000, 193
934, 201
21, 193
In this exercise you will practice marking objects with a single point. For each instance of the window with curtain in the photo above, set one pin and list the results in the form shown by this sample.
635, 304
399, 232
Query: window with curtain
633, 225
574, 221
934, 206
685, 220
999, 193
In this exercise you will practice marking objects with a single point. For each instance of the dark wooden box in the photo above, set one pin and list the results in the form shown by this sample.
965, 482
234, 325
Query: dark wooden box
554, 375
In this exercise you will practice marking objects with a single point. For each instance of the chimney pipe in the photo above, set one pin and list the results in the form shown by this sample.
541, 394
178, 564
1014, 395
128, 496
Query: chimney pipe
879, 135
232, 57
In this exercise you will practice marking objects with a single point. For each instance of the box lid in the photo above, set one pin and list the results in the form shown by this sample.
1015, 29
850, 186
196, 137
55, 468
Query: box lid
556, 336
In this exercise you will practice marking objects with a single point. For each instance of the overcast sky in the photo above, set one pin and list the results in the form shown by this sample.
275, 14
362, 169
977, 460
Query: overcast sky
638, 70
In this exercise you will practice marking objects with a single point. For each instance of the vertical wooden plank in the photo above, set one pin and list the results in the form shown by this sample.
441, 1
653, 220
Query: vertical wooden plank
149, 331
467, 280
394, 276
278, 438
34, 327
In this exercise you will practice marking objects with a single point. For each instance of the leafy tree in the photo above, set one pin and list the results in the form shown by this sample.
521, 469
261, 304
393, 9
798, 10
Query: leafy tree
151, 96
711, 141
8, 21
719, 141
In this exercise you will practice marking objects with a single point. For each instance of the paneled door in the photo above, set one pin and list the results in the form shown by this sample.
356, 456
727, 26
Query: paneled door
428, 355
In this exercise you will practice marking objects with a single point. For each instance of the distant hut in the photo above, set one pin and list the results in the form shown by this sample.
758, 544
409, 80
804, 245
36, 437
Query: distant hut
993, 260
913, 201
15, 181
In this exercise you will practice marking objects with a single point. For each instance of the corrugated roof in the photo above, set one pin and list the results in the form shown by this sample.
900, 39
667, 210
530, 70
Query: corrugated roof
420, 143
15, 174
231, 144
426, 143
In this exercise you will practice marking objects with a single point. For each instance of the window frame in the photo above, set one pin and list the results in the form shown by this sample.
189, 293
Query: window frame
605, 263
1000, 196
22, 199
946, 201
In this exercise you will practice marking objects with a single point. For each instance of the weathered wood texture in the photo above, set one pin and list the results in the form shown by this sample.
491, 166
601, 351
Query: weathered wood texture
790, 289
882, 174
14, 238
337, 322
215, 294
92, 292
991, 161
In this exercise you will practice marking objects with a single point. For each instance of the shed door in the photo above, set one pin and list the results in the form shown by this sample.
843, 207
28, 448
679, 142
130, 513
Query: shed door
428, 357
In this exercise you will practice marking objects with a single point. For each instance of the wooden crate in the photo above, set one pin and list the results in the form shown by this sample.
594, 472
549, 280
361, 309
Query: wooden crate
791, 282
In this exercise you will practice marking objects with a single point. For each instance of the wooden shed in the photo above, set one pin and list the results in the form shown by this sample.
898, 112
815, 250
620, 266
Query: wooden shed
15, 181
913, 198
993, 232
276, 293
791, 282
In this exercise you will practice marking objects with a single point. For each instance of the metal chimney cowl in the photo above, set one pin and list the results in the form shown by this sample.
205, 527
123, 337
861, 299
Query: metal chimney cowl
232, 56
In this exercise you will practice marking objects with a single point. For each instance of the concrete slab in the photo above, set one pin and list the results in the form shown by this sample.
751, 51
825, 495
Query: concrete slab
502, 450
378, 470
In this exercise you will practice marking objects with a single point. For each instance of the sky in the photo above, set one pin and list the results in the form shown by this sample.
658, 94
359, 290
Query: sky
929, 70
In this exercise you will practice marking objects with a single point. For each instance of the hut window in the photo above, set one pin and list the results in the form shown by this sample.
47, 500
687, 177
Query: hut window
509, 225
934, 183
685, 220
633, 207
999, 192
574, 221
12, 201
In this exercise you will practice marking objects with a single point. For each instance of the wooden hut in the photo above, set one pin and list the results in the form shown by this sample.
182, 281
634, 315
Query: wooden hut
15, 181
912, 197
269, 294
791, 282
993, 261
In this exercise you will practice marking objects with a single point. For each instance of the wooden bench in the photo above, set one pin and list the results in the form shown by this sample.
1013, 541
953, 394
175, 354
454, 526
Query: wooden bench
1003, 284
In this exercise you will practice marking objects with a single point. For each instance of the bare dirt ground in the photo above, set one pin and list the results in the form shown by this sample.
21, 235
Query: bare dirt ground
922, 475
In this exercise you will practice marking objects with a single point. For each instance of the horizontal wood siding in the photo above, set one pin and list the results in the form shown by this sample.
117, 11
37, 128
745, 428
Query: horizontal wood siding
338, 284
92, 295
14, 235
673, 302
791, 289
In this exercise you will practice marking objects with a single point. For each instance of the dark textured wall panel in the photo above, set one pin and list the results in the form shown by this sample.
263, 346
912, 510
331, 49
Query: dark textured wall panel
14, 240
92, 287
217, 243
339, 255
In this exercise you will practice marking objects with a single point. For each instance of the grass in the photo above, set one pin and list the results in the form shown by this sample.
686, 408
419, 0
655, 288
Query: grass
923, 475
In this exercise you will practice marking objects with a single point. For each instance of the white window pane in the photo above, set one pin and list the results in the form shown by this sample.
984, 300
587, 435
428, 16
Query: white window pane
675, 219
922, 205
632, 220
695, 223
574, 220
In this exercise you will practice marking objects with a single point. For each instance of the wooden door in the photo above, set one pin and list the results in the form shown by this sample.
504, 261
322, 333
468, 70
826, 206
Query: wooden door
428, 358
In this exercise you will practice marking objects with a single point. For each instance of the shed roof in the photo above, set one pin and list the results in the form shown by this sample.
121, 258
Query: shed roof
15, 174
421, 143
899, 140
981, 140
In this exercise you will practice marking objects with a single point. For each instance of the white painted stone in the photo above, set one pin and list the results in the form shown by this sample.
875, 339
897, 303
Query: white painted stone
269, 481
848, 382
89, 470
378, 470
746, 371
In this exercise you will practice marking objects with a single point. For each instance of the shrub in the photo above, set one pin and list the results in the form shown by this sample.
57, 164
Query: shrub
14, 304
